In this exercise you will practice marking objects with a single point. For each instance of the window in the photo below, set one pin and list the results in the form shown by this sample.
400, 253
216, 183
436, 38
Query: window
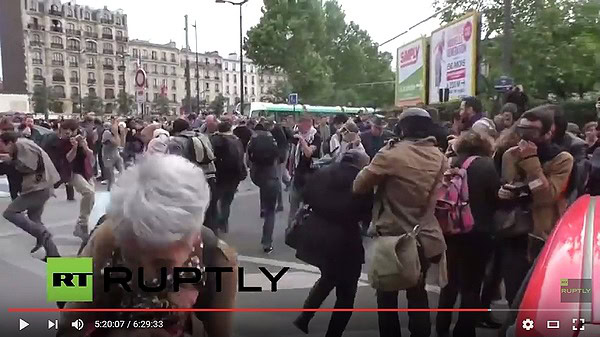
106, 31
155, 83
235, 90
57, 40
227, 89
145, 54
207, 86
173, 71
119, 33
155, 96
37, 71
73, 61
154, 55
226, 65
58, 72
164, 82
253, 93
86, 15
74, 75
226, 77
109, 77
91, 61
122, 62
121, 49
59, 91
154, 68
135, 52
70, 26
252, 80
174, 84
36, 38
88, 29
217, 87
163, 56
233, 66
108, 61
74, 45
206, 61
146, 97
107, 46
145, 66
91, 76
90, 46
164, 70
262, 90
109, 93
234, 78
118, 21
58, 57
74, 91
174, 97
37, 55
245, 90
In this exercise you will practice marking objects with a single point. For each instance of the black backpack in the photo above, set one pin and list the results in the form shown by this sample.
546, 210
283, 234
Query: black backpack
183, 145
263, 149
229, 156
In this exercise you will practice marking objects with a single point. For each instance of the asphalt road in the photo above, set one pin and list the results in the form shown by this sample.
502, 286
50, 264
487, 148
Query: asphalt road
22, 275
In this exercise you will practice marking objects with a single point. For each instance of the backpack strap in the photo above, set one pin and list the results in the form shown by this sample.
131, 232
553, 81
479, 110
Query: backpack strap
468, 162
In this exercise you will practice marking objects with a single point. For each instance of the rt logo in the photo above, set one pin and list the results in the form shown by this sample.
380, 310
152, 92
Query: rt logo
70, 279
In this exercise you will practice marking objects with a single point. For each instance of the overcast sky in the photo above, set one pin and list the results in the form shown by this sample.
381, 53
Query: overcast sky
218, 24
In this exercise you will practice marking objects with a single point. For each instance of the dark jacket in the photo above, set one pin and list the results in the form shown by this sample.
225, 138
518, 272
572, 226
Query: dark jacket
283, 143
372, 143
244, 134
484, 183
261, 174
333, 229
222, 143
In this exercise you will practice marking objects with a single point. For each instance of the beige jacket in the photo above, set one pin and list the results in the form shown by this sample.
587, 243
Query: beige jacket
27, 161
548, 183
405, 174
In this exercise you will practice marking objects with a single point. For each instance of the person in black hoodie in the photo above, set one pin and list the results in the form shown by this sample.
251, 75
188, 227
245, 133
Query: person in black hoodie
468, 253
331, 239
283, 145
243, 132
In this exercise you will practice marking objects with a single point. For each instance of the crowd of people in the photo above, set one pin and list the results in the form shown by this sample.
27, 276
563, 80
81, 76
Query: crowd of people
173, 181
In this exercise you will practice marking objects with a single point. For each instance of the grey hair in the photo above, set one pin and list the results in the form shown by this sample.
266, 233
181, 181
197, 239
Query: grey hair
158, 201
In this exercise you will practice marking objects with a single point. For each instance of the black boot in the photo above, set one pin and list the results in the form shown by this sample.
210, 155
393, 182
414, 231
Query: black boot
49, 246
70, 193
302, 322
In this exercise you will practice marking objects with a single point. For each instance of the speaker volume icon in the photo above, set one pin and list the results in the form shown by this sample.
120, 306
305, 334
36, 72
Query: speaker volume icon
78, 324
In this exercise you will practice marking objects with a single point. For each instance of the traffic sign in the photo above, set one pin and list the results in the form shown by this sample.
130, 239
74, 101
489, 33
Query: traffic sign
293, 99
140, 78
140, 96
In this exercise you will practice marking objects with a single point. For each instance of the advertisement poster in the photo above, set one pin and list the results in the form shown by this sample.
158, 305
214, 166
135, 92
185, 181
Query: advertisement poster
410, 79
453, 59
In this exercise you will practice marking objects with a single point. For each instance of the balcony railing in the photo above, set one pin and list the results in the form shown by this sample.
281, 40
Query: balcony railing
91, 34
155, 72
164, 59
109, 97
217, 78
109, 82
58, 78
207, 77
91, 66
108, 51
73, 48
173, 60
37, 61
108, 67
121, 83
107, 21
174, 73
145, 57
73, 64
35, 27
122, 38
74, 80
73, 32
60, 95
57, 45
164, 73
36, 43
58, 63
107, 36
55, 13
121, 68
173, 87
56, 29
38, 77
91, 50
91, 81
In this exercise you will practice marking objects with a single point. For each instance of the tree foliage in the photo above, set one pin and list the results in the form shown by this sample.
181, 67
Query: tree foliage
217, 106
40, 99
126, 103
556, 43
93, 103
161, 105
323, 56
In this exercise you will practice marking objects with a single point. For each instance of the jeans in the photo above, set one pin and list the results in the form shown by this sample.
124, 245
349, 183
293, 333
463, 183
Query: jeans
210, 218
33, 203
268, 202
419, 323
88, 198
345, 281
493, 279
110, 164
225, 192
295, 203
467, 257
100, 162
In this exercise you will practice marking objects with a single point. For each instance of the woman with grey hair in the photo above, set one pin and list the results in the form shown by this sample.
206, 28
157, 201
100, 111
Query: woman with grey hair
154, 220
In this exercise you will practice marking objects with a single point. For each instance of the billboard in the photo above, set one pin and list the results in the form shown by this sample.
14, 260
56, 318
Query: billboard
453, 59
410, 74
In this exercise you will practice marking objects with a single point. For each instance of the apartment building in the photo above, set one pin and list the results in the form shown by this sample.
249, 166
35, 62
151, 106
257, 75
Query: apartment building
257, 82
75, 49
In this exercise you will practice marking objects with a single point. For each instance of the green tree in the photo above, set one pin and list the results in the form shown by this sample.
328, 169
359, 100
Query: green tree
93, 103
217, 106
161, 105
556, 43
126, 103
323, 56
195, 104
279, 93
40, 99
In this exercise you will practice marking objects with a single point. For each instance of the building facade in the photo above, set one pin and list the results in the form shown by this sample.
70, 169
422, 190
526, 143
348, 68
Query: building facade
75, 49
257, 82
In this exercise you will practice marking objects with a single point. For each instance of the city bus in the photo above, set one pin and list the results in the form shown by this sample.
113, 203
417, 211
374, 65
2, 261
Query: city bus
276, 111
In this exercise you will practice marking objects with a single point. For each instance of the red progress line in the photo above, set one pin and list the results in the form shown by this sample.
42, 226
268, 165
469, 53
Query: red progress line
20, 310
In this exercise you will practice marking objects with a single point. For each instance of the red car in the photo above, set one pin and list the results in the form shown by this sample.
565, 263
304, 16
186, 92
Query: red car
568, 269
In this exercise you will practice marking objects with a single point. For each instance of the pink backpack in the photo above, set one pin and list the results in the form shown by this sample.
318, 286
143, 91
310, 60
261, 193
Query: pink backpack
452, 208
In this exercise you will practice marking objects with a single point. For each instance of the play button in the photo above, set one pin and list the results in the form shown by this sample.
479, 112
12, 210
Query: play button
22, 324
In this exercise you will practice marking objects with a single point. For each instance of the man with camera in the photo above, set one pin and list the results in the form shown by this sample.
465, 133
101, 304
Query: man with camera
73, 158
536, 173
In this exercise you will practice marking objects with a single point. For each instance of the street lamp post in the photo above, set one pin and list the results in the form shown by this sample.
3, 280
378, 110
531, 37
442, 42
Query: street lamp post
123, 56
81, 52
241, 50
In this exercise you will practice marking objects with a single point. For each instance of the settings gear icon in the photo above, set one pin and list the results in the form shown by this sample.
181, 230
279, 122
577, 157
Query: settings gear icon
527, 324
